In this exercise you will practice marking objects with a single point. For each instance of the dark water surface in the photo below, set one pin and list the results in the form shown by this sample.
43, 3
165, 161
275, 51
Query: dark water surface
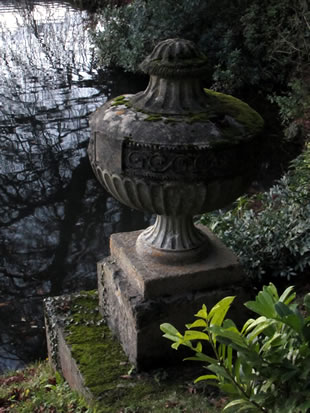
55, 220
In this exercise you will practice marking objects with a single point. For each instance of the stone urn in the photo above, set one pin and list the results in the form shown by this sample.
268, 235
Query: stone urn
175, 150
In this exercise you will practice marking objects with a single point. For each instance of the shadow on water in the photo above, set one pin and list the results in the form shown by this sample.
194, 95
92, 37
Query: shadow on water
55, 220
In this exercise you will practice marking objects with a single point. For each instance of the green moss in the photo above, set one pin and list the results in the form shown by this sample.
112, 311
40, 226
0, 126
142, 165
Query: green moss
120, 100
154, 118
105, 367
99, 356
223, 104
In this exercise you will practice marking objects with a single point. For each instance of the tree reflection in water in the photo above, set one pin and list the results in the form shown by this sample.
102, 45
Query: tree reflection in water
54, 220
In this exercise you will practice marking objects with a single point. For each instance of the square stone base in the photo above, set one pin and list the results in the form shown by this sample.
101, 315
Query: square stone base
136, 296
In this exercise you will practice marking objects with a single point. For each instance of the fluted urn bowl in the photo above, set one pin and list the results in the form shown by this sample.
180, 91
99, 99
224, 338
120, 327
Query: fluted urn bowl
175, 150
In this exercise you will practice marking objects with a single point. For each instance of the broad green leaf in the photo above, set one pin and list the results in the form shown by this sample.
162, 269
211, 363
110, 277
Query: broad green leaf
239, 403
219, 311
272, 291
219, 371
175, 346
263, 304
282, 309
195, 335
206, 377
229, 324
234, 336
172, 338
295, 321
169, 329
229, 388
197, 323
198, 348
203, 313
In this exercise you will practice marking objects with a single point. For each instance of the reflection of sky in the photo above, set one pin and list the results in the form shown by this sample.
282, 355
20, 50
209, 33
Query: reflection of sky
47, 35
10, 18
46, 66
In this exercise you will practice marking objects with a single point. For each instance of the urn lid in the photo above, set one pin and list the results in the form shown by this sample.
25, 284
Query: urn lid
175, 58
175, 67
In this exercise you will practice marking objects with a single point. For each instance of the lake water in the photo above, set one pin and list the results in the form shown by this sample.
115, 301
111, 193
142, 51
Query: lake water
55, 220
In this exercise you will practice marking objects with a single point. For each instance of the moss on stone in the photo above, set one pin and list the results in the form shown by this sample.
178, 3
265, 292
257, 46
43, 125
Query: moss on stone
223, 104
120, 100
100, 358
153, 118
105, 367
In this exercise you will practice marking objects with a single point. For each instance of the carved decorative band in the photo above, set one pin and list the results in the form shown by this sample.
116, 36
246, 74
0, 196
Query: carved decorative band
189, 164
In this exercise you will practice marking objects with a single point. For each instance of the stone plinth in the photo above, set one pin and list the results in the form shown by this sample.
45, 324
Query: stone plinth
136, 295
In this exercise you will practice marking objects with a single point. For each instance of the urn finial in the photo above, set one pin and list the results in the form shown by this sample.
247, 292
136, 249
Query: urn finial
176, 67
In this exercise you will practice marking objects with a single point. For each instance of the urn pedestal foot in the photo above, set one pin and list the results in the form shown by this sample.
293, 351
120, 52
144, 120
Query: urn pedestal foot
136, 295
173, 239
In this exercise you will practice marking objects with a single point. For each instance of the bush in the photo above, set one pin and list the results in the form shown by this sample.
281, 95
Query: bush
270, 232
268, 38
265, 366
127, 34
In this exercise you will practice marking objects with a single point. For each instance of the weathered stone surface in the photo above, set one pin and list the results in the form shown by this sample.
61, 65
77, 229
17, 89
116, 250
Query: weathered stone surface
59, 352
136, 319
219, 268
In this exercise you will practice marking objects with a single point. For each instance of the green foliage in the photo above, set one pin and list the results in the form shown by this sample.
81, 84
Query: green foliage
270, 232
269, 38
293, 105
259, 44
265, 366
38, 389
127, 34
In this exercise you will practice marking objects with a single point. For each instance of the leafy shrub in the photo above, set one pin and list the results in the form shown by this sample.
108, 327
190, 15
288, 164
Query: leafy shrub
270, 38
129, 33
293, 106
265, 366
270, 232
